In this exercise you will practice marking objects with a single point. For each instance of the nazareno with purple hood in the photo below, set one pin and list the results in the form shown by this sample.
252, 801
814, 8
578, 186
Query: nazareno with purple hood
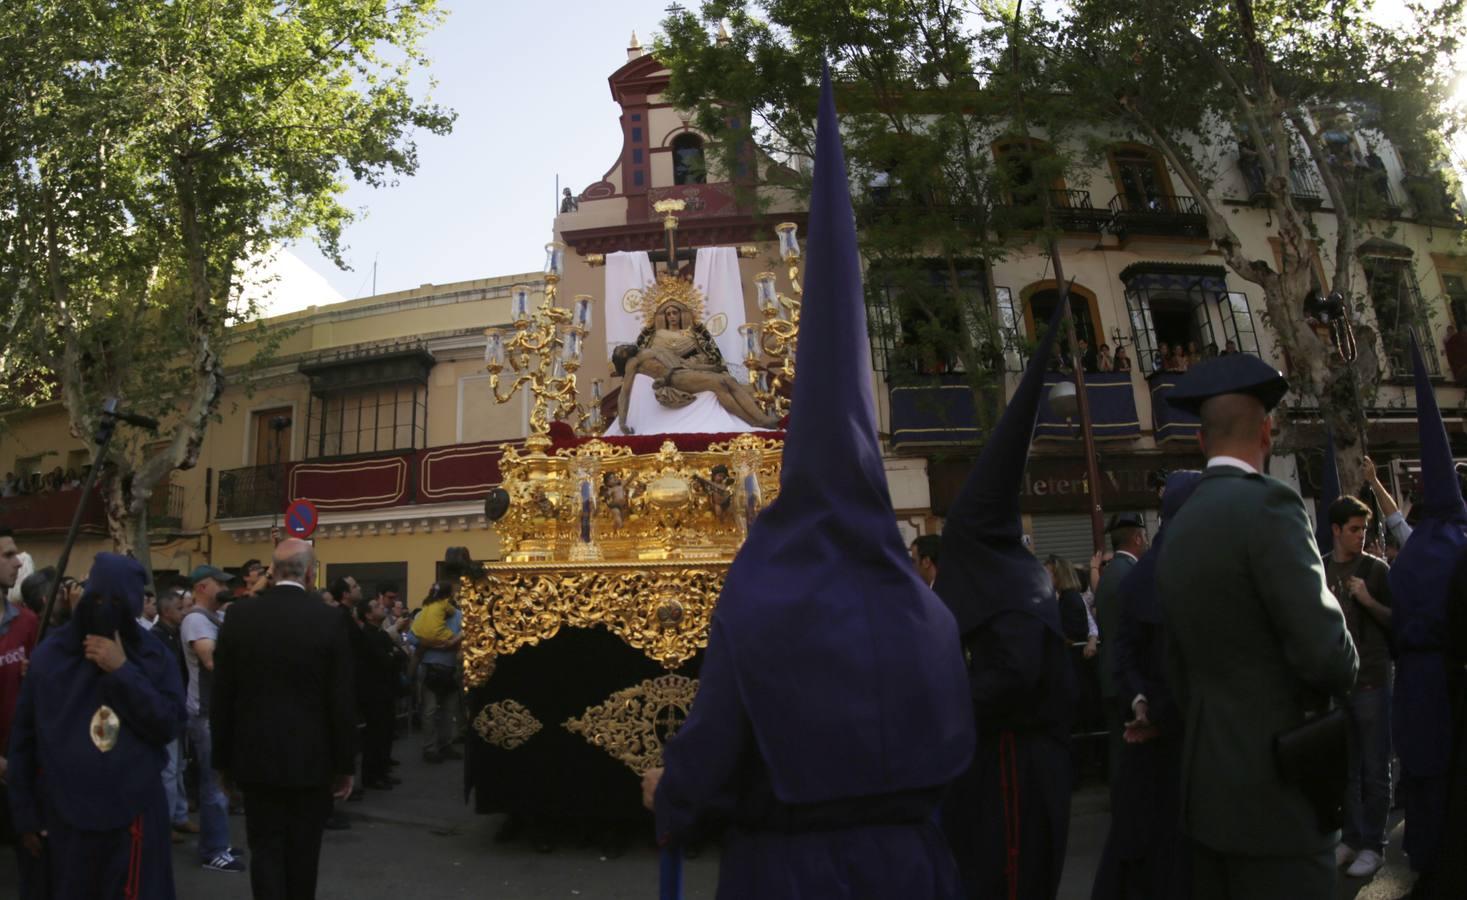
832, 708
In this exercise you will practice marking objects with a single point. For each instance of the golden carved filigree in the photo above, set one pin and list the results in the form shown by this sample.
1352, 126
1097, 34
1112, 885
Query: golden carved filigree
633, 724
506, 724
663, 610
659, 511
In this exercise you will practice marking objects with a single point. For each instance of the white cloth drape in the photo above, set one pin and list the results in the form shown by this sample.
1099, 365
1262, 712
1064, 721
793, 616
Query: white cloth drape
716, 276
705, 415
626, 271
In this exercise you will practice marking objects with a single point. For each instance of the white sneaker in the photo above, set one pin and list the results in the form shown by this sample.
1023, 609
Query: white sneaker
1343, 855
1366, 864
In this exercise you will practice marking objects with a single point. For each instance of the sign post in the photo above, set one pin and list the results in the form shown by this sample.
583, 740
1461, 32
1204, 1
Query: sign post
301, 518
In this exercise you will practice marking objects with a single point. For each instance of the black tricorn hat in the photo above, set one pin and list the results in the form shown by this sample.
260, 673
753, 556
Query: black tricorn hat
1236, 373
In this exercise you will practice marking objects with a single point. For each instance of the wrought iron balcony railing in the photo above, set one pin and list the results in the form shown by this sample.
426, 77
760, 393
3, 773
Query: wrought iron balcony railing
251, 491
1157, 214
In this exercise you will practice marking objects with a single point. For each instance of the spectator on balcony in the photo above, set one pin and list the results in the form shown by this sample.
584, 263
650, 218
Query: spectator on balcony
1087, 357
10, 486
1122, 361
1178, 361
1454, 348
1104, 361
1211, 351
1229, 347
72, 481
1193, 355
1161, 361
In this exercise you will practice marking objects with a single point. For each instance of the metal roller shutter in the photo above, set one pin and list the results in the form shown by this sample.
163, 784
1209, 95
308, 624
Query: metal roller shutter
1064, 534
1068, 534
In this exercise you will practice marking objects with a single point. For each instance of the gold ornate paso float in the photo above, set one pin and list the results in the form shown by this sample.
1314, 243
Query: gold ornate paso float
582, 642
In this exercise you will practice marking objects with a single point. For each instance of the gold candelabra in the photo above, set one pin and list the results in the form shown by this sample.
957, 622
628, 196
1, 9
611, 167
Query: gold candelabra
544, 351
769, 345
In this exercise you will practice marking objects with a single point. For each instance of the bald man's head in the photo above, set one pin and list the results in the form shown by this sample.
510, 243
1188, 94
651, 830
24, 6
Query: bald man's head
292, 560
1236, 425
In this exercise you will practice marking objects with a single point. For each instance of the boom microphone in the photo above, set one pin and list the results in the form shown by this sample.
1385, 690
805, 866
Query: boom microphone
109, 409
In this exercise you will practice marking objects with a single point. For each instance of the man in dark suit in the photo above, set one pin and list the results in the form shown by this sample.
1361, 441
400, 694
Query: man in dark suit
284, 722
1128, 540
379, 668
1254, 640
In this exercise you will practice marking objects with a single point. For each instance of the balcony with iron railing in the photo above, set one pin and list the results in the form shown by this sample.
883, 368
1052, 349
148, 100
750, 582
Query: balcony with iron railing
1304, 184
1162, 215
1072, 211
1432, 200
252, 491
1368, 192
165, 507
402, 477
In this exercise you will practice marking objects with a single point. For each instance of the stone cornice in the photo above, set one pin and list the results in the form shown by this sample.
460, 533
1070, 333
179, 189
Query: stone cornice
423, 518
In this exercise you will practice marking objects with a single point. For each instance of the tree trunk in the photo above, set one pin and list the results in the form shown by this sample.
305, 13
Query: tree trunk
119, 521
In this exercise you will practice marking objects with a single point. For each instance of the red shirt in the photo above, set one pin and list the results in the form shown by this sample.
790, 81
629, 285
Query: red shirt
18, 632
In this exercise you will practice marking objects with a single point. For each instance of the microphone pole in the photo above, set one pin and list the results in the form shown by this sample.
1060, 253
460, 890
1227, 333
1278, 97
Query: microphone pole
103, 439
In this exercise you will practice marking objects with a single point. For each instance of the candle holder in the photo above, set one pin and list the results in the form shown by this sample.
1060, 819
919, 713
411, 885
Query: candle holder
543, 349
770, 345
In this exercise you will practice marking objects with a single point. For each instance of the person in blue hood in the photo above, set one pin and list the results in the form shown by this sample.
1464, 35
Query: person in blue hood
1145, 854
832, 707
1008, 816
100, 704
1429, 681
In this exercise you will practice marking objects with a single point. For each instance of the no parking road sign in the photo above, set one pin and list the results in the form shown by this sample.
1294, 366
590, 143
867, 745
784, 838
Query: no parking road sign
301, 518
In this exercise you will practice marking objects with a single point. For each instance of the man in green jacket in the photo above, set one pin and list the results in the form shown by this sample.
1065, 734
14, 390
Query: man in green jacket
1256, 640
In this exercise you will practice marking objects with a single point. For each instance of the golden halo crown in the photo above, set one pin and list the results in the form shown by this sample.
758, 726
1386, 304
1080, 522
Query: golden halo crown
671, 289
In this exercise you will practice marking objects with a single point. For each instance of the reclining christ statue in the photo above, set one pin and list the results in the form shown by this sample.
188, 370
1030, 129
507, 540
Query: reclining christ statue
674, 362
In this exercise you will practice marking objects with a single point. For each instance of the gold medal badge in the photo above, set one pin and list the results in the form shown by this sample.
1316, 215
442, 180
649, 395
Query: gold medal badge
105, 727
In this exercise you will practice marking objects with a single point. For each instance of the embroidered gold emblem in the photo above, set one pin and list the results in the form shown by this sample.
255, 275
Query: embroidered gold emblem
717, 324
631, 301
506, 724
105, 728
633, 724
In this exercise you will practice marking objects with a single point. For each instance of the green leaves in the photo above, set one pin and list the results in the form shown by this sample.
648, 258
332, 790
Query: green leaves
149, 149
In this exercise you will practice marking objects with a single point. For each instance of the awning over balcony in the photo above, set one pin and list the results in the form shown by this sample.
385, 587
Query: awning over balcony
934, 413
1112, 409
1171, 424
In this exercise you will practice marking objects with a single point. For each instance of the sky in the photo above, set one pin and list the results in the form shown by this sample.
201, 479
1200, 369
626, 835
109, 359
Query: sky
528, 81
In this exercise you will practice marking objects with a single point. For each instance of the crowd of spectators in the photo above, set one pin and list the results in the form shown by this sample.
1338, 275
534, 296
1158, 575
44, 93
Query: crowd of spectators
57, 479
405, 675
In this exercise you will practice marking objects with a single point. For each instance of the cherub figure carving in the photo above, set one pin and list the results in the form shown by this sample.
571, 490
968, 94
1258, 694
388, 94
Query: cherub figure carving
616, 499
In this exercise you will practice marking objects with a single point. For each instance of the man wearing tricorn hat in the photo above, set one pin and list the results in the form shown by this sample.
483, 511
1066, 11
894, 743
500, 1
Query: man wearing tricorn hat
1256, 641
